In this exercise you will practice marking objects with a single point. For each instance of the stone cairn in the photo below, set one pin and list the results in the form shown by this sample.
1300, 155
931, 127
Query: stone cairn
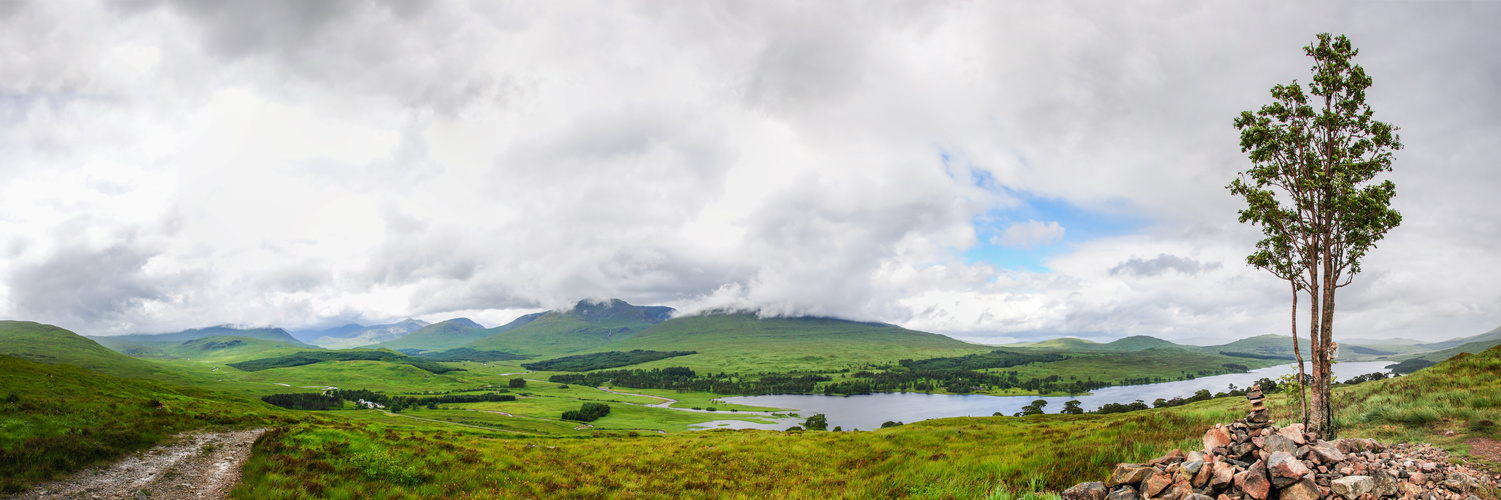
1252, 459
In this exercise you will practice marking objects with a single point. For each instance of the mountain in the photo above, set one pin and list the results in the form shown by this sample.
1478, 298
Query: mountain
1129, 344
1490, 336
52, 345
338, 332
748, 344
145, 342
368, 335
587, 325
438, 336
229, 349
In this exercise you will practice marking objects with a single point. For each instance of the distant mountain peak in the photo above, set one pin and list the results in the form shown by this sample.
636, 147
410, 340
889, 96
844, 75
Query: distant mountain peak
596, 311
461, 322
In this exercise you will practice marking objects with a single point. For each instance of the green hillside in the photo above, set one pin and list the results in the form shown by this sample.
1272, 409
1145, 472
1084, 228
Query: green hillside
52, 345
59, 418
588, 325
439, 336
231, 349
744, 343
1129, 344
1262, 347
1493, 337
149, 344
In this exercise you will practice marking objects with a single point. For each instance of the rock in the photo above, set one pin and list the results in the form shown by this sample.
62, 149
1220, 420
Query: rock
1223, 474
1429, 466
1417, 478
1325, 453
1123, 493
1293, 433
1086, 491
1197, 496
1172, 457
1254, 482
1352, 487
1457, 482
1128, 474
1155, 484
1283, 469
1278, 442
1191, 466
1385, 484
1258, 417
1201, 479
1303, 489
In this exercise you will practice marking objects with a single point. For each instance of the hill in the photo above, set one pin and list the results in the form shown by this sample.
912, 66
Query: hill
438, 336
149, 342
588, 325
1493, 337
229, 349
1129, 344
1262, 347
745, 343
338, 332
368, 335
52, 345
60, 418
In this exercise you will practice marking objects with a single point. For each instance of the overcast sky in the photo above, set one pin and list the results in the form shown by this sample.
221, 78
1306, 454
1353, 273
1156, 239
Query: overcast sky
996, 171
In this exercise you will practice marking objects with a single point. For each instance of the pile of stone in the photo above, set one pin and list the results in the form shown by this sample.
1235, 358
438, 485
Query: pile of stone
1252, 459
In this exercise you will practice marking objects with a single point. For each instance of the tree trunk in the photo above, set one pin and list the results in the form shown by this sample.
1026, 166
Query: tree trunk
1327, 351
1302, 386
1317, 414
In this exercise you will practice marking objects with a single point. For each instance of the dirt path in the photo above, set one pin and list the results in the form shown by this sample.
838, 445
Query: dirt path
195, 465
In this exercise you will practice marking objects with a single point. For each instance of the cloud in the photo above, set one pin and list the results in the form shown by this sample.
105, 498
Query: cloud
310, 164
1026, 235
1160, 265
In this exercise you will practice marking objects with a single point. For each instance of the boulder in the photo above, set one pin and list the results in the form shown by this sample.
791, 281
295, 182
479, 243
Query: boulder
1293, 433
1457, 482
1352, 487
1197, 496
1155, 484
1172, 457
1223, 474
1254, 482
1385, 484
1086, 491
1278, 442
1123, 492
1201, 479
1128, 474
1325, 453
1283, 469
1301, 490
1216, 438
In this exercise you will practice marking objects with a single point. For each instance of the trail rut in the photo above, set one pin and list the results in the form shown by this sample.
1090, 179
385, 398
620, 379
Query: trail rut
194, 465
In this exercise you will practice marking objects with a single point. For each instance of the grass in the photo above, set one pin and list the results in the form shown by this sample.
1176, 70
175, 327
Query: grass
997, 457
55, 419
53, 345
229, 349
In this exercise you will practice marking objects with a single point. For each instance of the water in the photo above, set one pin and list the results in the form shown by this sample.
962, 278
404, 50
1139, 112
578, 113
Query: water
869, 411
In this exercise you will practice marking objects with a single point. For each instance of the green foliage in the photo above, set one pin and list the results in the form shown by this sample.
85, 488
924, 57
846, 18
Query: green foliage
993, 359
602, 360
60, 418
817, 422
304, 401
517, 383
1071, 407
1410, 366
1035, 408
466, 354
589, 412
311, 357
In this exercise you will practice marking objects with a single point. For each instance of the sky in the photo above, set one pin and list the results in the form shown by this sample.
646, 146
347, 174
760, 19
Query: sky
994, 171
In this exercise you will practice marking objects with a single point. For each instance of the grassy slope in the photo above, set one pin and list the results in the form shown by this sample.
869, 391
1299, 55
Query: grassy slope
167, 339
946, 458
559, 333
67, 417
746, 344
438, 336
53, 345
231, 349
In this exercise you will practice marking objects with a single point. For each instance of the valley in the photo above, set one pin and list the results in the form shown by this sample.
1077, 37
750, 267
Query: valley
483, 409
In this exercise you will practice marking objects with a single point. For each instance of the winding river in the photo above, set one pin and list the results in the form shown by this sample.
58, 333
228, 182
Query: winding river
870, 410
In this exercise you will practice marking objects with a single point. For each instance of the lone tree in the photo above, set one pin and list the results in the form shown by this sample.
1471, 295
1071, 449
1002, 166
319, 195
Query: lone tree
1311, 188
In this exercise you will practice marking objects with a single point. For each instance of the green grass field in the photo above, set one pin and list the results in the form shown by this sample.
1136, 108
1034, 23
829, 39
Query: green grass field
59, 418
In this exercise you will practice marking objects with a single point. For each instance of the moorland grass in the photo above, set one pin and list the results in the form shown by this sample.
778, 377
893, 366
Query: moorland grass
56, 419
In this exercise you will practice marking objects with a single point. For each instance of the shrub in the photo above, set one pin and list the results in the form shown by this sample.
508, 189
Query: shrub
589, 412
517, 383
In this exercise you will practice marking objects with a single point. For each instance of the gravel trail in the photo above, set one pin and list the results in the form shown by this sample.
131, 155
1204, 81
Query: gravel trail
194, 465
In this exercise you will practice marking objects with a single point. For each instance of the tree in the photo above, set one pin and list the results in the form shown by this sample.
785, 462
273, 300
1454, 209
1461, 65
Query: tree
517, 383
1311, 188
1071, 407
817, 423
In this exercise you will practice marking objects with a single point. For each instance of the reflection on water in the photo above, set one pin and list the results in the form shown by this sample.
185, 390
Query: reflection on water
869, 411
